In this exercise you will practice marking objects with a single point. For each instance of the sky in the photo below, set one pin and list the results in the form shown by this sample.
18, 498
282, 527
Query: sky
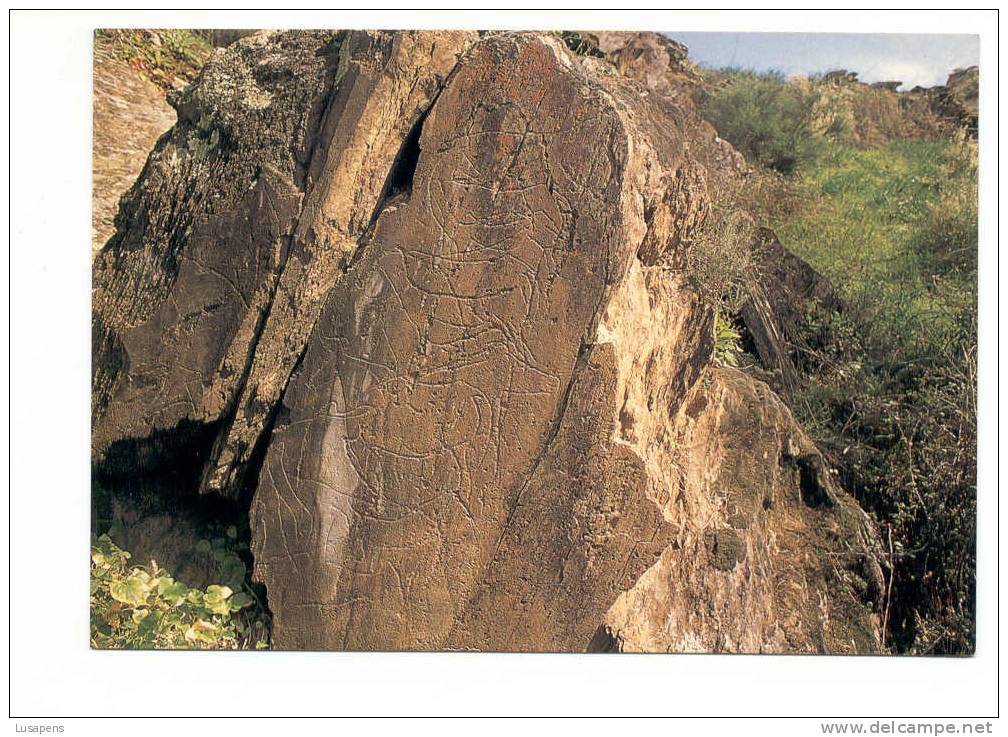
914, 59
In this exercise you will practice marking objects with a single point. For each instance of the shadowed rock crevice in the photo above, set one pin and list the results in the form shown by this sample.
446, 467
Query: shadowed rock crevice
164, 466
604, 641
145, 497
811, 483
400, 179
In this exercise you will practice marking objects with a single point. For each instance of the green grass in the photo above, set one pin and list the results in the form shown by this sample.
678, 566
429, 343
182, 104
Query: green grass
891, 393
868, 225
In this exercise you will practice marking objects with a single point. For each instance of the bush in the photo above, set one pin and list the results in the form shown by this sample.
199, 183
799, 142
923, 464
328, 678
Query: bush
894, 410
720, 257
762, 116
727, 340
891, 398
141, 607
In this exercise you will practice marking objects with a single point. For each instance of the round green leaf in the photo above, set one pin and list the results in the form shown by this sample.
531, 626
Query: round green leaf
216, 599
240, 601
233, 571
133, 591
174, 592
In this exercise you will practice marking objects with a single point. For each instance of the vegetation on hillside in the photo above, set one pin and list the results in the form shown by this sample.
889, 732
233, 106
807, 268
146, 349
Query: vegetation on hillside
891, 382
763, 116
168, 57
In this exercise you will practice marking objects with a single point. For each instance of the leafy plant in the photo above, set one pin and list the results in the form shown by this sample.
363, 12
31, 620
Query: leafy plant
142, 607
727, 341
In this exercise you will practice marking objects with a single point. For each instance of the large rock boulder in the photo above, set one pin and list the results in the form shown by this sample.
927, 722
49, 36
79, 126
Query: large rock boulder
408, 294
771, 555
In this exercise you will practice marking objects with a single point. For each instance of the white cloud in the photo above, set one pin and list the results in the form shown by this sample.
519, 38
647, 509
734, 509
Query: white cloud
909, 72
914, 59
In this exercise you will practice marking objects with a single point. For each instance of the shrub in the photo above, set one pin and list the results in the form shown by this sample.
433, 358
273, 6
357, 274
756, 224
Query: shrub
894, 410
141, 607
720, 256
891, 394
763, 116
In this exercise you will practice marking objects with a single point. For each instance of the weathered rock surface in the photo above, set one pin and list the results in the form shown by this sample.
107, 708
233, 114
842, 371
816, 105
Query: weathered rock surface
771, 557
447, 482
385, 84
201, 238
779, 294
403, 289
651, 58
284, 148
130, 114
957, 102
